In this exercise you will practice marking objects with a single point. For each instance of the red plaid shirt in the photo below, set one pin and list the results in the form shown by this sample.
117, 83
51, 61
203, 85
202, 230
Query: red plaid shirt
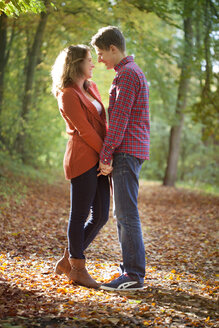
129, 127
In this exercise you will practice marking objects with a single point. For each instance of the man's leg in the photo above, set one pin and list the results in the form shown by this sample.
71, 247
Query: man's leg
126, 170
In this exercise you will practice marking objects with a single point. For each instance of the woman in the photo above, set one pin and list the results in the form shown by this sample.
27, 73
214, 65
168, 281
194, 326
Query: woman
81, 107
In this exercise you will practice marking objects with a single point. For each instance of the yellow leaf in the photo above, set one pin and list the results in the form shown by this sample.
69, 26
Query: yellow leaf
154, 268
99, 293
146, 323
135, 301
61, 290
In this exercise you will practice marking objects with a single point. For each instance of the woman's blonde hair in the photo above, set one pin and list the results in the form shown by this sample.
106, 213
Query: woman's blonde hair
68, 67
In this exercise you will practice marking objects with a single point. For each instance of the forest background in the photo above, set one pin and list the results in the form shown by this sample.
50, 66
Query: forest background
175, 43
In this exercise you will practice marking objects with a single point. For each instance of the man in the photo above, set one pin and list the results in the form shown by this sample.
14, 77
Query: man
127, 144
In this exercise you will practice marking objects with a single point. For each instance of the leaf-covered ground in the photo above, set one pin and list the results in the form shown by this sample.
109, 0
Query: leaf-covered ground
179, 228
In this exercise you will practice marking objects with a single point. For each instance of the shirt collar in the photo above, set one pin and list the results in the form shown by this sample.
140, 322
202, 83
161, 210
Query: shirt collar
123, 62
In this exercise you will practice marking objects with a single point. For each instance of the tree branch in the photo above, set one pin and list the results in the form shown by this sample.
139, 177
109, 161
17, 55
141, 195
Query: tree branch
214, 9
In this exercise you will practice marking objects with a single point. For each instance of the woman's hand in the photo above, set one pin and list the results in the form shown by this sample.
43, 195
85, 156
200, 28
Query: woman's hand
104, 169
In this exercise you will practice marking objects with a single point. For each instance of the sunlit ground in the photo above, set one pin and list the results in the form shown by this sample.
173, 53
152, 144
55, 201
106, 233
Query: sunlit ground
179, 228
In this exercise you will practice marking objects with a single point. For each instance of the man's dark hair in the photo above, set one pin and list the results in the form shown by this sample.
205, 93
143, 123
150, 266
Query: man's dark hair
107, 36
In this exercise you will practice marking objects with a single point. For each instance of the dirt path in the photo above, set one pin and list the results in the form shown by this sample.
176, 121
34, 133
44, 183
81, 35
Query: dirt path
179, 230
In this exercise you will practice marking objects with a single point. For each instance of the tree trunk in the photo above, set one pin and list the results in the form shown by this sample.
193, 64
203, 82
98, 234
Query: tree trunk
207, 47
3, 44
205, 94
176, 130
30, 70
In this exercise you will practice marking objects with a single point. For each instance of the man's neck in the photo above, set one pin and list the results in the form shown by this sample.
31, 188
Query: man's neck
119, 58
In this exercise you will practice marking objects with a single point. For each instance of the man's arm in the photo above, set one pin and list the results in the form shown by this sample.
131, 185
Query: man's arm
119, 117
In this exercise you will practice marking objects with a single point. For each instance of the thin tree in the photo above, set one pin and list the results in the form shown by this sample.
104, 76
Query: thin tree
176, 129
28, 89
5, 47
3, 44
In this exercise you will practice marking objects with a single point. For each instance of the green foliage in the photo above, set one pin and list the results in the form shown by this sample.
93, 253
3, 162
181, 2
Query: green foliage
207, 112
204, 108
154, 168
198, 163
7, 191
16, 7
199, 186
154, 37
15, 175
11, 165
198, 160
103, 78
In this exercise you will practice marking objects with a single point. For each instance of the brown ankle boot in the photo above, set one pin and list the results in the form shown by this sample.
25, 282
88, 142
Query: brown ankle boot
63, 265
79, 274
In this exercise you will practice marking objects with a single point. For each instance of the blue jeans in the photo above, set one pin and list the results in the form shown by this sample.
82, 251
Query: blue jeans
89, 194
126, 169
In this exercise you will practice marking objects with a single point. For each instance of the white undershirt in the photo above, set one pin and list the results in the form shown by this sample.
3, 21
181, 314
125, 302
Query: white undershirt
97, 105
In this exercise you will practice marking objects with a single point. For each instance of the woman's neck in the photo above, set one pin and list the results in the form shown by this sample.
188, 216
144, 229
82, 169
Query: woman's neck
80, 84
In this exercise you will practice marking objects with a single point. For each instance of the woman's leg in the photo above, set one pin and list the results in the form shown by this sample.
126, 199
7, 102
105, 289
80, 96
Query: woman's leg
83, 191
99, 210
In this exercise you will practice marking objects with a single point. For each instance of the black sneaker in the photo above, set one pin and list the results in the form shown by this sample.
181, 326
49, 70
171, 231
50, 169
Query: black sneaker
121, 268
124, 282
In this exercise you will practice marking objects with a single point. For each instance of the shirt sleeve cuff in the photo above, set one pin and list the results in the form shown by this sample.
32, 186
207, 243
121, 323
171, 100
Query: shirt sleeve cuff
106, 155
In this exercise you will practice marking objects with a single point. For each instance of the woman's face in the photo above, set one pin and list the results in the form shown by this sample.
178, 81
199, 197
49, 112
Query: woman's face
88, 66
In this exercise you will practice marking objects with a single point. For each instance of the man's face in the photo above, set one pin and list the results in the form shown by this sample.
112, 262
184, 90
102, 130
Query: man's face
106, 56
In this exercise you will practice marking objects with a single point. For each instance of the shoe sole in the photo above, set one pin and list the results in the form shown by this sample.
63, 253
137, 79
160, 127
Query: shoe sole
121, 290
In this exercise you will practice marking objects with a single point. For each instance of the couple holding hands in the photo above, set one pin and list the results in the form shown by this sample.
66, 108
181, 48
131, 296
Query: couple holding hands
94, 151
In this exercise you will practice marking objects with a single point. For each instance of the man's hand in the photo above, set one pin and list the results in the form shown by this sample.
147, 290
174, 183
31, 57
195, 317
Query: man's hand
104, 169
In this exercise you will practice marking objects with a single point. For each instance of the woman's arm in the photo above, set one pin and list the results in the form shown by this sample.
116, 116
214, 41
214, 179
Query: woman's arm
70, 106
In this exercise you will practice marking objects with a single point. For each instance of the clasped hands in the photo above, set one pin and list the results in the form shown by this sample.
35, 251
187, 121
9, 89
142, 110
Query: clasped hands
104, 169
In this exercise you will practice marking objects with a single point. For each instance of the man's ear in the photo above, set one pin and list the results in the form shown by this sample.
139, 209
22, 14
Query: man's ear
113, 48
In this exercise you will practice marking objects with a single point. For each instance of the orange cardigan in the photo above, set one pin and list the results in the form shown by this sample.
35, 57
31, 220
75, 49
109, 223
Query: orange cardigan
85, 127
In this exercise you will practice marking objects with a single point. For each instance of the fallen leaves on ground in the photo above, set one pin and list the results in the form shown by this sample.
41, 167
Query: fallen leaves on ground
179, 229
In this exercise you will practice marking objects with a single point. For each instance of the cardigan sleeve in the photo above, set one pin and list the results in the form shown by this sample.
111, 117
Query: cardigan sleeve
70, 106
